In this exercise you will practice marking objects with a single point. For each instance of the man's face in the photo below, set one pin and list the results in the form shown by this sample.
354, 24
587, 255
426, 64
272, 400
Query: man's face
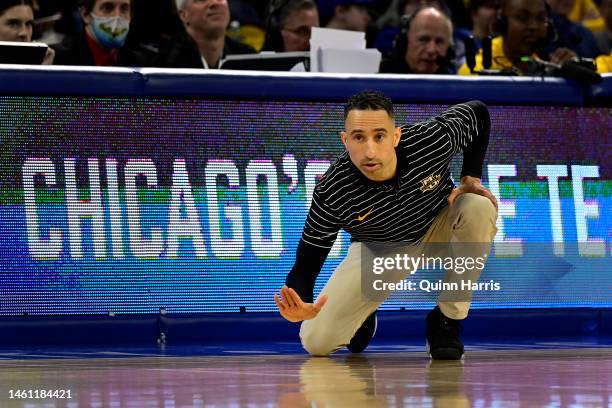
109, 8
606, 12
527, 26
355, 17
428, 39
206, 16
16, 24
561, 7
297, 29
370, 137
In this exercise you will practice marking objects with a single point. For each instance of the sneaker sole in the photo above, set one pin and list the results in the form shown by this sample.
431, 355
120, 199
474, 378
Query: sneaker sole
444, 353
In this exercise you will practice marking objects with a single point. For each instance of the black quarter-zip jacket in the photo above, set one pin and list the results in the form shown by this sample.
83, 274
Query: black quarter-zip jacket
398, 210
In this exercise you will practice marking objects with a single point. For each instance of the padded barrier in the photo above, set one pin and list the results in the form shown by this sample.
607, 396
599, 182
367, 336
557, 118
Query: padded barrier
255, 85
94, 330
606, 321
505, 324
601, 94
333, 87
91, 81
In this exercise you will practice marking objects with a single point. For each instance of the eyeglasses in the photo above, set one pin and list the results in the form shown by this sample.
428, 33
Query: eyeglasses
301, 31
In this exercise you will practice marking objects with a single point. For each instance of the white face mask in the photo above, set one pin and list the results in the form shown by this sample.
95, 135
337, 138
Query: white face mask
110, 31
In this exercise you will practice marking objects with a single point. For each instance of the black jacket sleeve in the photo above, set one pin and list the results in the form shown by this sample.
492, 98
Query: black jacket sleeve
308, 263
320, 231
474, 152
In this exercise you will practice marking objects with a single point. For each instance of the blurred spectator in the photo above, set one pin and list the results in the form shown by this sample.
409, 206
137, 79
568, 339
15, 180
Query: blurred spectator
350, 15
571, 35
604, 39
204, 43
16, 22
384, 41
290, 24
525, 27
455, 9
424, 44
483, 14
106, 26
604, 63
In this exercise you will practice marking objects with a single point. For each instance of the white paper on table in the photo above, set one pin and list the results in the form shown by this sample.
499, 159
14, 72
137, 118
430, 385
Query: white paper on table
326, 38
350, 61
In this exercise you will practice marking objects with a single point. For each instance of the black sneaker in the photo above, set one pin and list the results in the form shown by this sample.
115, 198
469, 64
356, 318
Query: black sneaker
443, 342
363, 335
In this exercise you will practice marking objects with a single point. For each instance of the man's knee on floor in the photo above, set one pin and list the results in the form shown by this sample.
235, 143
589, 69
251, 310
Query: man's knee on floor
318, 342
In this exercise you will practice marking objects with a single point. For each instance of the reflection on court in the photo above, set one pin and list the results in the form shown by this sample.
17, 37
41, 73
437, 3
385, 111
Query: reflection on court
530, 378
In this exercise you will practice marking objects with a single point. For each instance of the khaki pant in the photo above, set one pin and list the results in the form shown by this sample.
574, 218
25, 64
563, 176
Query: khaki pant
471, 219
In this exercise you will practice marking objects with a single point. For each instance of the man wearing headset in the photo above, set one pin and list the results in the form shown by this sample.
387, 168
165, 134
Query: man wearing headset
525, 28
424, 46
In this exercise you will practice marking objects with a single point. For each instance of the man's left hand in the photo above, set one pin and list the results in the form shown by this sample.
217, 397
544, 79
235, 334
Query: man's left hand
471, 185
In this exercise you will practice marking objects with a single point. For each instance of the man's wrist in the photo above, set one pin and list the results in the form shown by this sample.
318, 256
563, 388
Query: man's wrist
468, 180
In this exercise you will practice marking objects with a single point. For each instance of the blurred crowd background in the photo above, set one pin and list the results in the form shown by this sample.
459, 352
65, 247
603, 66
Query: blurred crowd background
414, 36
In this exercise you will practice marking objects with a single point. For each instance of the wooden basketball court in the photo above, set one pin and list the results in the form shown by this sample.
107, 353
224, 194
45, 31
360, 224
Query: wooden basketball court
520, 377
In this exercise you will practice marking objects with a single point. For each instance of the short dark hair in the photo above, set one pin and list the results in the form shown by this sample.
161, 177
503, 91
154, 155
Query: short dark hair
5, 5
89, 5
369, 100
285, 10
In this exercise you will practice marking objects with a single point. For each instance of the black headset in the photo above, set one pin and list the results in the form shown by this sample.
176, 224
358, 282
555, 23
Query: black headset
400, 44
501, 24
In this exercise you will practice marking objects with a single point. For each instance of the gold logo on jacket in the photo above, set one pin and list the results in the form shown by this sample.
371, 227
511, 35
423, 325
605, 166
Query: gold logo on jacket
363, 217
430, 182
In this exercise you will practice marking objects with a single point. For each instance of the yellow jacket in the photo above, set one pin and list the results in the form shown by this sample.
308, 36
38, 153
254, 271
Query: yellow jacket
604, 63
585, 12
498, 58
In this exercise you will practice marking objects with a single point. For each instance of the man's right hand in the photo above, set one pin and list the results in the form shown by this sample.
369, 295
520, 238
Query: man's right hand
293, 309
